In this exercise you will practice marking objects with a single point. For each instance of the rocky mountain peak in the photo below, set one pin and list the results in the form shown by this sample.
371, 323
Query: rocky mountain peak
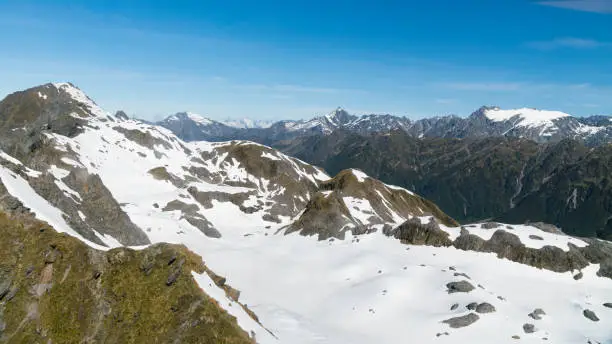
189, 116
354, 202
121, 115
339, 117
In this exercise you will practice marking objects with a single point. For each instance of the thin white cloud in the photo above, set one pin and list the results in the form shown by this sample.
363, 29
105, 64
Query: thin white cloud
482, 86
595, 6
290, 88
569, 43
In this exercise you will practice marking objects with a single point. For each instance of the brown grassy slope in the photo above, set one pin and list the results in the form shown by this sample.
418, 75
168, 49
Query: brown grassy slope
55, 289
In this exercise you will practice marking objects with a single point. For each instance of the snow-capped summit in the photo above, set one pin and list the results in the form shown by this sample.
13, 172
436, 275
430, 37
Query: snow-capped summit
525, 117
190, 116
527, 123
194, 127
339, 117
72, 92
247, 123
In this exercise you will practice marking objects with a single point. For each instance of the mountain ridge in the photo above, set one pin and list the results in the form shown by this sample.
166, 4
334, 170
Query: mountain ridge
538, 125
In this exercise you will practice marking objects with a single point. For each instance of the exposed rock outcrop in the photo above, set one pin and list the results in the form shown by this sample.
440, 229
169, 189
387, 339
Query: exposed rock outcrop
462, 321
589, 314
459, 287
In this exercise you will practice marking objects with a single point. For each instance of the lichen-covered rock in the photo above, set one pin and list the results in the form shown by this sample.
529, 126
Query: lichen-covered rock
508, 245
485, 308
490, 225
326, 217
416, 233
529, 328
462, 321
459, 287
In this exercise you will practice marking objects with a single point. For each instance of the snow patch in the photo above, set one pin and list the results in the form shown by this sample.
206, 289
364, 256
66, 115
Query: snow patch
361, 177
395, 187
360, 209
270, 156
528, 117
247, 123
198, 118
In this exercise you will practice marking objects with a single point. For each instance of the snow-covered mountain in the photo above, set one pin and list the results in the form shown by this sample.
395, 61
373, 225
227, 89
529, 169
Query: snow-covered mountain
318, 259
537, 125
533, 124
247, 123
194, 127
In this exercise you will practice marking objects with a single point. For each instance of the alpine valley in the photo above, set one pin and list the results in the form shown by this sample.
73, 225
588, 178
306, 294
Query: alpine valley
115, 230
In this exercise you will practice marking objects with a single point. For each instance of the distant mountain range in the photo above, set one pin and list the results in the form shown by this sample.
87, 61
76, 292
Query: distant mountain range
537, 125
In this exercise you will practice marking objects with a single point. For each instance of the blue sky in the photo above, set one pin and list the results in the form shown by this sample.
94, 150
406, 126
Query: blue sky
296, 59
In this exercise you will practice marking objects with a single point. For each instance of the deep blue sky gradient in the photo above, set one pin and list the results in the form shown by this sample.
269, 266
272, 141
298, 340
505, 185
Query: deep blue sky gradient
295, 59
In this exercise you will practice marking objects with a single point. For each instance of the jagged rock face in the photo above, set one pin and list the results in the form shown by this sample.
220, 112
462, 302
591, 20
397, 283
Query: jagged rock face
292, 181
61, 109
508, 245
445, 126
56, 289
415, 232
326, 217
352, 201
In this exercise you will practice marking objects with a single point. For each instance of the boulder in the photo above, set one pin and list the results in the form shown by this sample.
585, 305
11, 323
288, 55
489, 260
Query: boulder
485, 308
462, 321
589, 314
459, 287
472, 306
537, 314
529, 328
